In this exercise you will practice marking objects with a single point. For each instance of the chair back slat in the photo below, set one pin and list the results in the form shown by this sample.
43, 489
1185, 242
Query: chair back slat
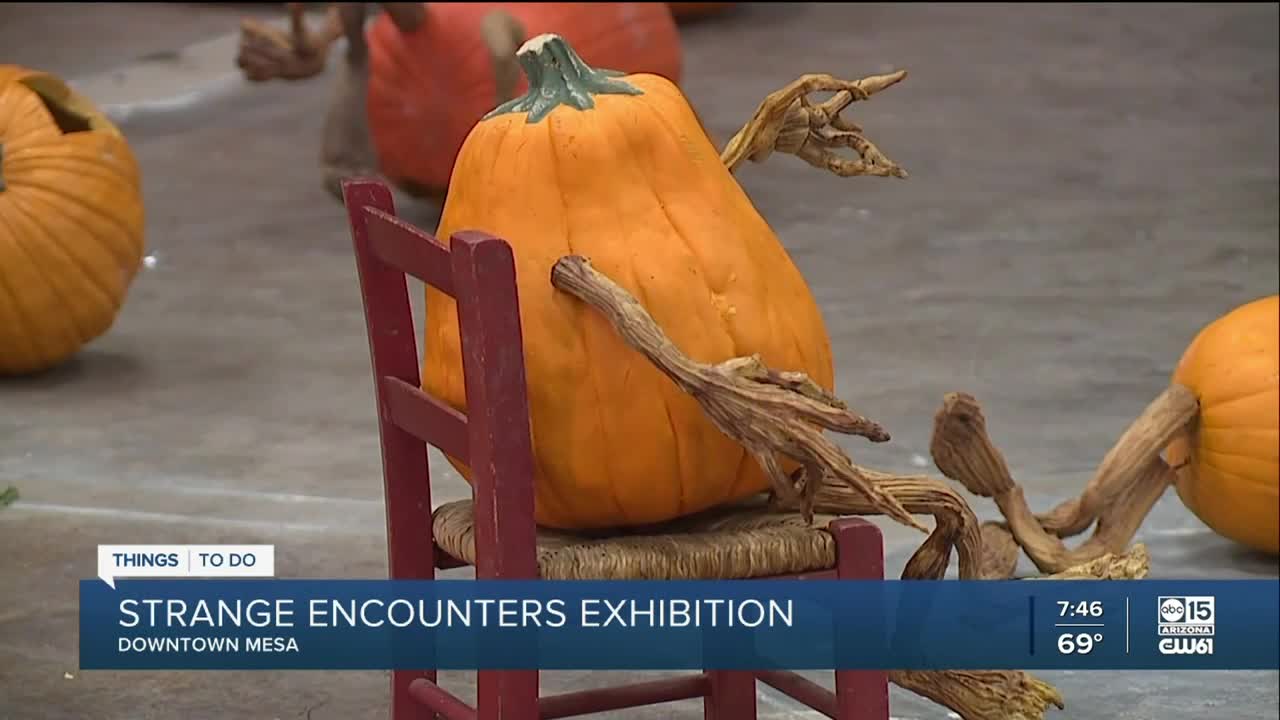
410, 250
493, 437
426, 418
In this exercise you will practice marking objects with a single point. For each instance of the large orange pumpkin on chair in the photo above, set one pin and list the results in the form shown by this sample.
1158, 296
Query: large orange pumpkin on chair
429, 87
71, 221
1229, 460
619, 169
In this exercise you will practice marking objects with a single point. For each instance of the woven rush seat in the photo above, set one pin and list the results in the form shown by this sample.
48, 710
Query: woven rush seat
732, 543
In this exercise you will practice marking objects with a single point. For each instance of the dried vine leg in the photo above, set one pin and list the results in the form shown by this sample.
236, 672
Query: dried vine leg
267, 52
1012, 694
1134, 564
982, 694
346, 144
1129, 481
503, 35
971, 694
767, 412
954, 522
786, 121
1143, 441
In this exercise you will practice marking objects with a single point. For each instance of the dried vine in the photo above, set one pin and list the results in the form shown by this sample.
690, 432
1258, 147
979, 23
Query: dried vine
774, 413
769, 413
1130, 480
787, 121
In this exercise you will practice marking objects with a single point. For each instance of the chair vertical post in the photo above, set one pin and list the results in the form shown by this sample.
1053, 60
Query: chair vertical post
406, 475
731, 695
860, 694
501, 463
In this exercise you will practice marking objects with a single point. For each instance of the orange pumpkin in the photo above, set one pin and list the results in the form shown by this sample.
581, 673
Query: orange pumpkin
1229, 461
71, 221
618, 169
695, 10
429, 87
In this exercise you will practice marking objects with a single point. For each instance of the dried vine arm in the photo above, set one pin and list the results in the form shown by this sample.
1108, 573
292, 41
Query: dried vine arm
767, 412
787, 121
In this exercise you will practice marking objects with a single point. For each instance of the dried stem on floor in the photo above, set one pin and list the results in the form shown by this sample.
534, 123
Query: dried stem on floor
787, 121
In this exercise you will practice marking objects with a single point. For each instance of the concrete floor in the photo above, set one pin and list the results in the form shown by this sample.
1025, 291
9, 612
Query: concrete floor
1090, 185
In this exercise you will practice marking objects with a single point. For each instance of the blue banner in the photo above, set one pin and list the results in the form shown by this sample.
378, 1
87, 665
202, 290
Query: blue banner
735, 625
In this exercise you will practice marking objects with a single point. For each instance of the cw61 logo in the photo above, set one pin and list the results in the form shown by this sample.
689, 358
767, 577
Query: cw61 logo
1186, 646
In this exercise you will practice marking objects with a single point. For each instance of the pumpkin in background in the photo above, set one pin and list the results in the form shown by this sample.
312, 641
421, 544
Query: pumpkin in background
71, 221
694, 10
429, 87
1229, 460
618, 169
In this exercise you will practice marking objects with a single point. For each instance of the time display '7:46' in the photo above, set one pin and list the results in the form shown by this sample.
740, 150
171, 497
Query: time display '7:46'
1082, 608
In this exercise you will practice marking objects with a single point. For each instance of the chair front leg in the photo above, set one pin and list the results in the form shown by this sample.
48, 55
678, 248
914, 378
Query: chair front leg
507, 695
860, 694
403, 705
731, 695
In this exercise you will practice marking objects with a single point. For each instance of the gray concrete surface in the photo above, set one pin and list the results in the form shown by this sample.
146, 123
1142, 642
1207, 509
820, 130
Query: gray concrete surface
1090, 185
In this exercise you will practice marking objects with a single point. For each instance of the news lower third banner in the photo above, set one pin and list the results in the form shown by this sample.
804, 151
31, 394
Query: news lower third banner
224, 624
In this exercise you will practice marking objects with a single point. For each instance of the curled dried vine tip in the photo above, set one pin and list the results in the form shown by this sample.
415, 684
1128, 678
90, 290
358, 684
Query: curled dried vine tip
787, 121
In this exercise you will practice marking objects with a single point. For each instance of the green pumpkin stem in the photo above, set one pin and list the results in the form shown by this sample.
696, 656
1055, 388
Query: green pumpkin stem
558, 76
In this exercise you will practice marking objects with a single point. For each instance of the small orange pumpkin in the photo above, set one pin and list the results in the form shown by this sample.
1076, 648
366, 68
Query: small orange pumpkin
429, 87
1229, 460
619, 169
71, 221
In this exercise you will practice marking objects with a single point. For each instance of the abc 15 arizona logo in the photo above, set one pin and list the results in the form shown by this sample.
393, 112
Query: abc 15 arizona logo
1185, 625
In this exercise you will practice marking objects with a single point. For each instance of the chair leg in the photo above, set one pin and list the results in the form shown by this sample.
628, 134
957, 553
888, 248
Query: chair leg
403, 706
860, 694
732, 695
507, 695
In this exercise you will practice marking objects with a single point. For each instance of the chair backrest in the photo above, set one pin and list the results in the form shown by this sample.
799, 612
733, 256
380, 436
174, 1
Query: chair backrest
493, 437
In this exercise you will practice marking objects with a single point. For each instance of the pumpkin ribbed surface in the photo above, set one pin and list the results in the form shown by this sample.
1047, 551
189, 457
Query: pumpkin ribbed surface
71, 221
1231, 476
619, 170
428, 88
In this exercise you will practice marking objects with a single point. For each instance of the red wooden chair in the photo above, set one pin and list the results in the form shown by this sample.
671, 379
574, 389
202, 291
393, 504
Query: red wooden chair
495, 531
